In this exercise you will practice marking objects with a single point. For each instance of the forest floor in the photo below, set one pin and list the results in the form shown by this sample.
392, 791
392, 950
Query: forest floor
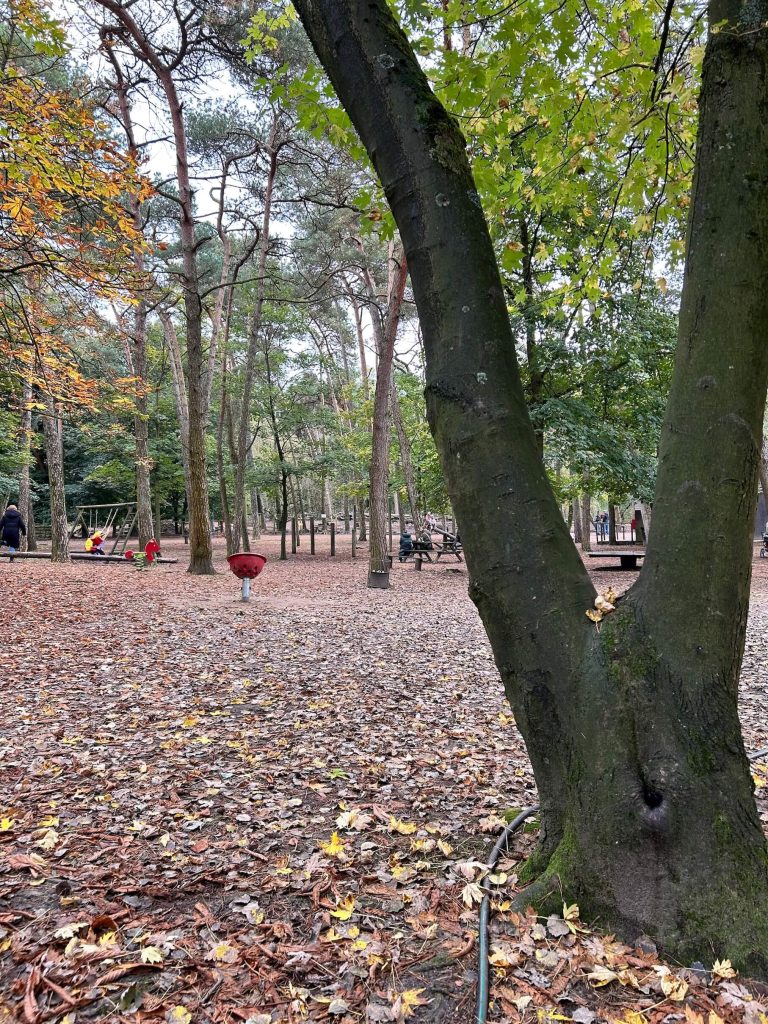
277, 811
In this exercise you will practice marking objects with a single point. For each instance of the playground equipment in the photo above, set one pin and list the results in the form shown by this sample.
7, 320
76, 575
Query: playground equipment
120, 517
246, 565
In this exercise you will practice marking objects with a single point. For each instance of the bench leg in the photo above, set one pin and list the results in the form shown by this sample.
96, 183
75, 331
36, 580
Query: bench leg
628, 561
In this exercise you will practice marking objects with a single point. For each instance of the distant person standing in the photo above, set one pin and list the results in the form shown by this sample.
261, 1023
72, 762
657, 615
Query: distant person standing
12, 528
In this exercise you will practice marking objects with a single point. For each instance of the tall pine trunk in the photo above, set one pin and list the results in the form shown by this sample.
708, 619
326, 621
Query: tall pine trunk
54, 452
28, 542
378, 490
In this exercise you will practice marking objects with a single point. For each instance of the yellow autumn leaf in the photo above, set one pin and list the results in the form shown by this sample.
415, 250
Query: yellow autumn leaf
178, 1015
405, 828
723, 969
49, 840
600, 976
223, 953
6, 824
152, 955
334, 848
471, 893
632, 1017
52, 821
68, 931
344, 908
354, 819
406, 1002
674, 988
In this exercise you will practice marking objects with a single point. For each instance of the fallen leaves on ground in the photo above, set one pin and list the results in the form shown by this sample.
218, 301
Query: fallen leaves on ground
276, 812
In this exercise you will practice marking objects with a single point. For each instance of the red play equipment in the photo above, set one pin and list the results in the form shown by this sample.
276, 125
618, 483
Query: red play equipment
246, 565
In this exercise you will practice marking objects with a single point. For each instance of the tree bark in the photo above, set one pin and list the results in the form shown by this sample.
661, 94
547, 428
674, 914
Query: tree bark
28, 542
54, 452
406, 460
200, 550
386, 333
576, 507
138, 336
239, 526
648, 815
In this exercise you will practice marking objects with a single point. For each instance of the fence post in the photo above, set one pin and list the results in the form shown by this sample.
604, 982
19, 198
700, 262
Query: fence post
333, 538
293, 536
312, 535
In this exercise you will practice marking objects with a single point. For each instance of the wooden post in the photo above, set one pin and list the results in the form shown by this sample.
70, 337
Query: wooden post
389, 511
354, 534
333, 538
293, 536
312, 535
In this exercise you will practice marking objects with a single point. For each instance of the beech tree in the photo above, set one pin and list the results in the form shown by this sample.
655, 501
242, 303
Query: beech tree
648, 814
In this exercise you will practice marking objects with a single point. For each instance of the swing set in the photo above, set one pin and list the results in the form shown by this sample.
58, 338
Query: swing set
119, 517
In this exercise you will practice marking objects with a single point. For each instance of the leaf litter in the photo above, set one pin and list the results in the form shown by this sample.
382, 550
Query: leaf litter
278, 812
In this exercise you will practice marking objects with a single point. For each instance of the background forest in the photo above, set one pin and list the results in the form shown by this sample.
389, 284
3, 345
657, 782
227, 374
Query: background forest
204, 303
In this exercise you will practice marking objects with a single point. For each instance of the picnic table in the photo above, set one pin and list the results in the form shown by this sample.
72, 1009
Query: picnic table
423, 549
627, 559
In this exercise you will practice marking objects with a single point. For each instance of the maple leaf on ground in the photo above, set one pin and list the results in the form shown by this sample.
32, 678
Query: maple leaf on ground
405, 828
354, 819
723, 969
673, 987
344, 908
152, 955
334, 848
405, 1003
600, 976
178, 1015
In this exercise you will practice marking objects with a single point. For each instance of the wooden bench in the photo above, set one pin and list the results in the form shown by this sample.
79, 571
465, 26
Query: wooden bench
627, 559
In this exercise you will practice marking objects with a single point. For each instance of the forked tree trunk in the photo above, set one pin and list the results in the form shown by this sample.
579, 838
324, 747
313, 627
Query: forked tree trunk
54, 452
648, 816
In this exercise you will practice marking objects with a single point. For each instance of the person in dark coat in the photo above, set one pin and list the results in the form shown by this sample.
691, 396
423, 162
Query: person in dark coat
406, 546
12, 526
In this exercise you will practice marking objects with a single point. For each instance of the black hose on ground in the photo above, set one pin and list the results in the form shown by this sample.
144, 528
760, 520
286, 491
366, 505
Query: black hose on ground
483, 984
483, 989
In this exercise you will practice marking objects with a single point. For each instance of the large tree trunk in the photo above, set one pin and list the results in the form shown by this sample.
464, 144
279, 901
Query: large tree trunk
54, 452
648, 816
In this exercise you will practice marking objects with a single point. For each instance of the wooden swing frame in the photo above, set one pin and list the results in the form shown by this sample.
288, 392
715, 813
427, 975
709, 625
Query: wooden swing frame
113, 510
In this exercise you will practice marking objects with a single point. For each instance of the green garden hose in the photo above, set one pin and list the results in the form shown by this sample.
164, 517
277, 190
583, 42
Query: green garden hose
483, 989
